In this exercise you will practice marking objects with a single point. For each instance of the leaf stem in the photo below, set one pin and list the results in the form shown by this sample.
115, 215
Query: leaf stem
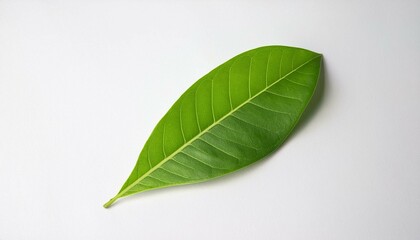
111, 201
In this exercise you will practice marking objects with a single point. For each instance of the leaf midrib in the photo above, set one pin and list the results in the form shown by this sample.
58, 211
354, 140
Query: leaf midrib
180, 149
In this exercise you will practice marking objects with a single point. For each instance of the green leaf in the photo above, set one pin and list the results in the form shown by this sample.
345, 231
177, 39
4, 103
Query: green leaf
234, 116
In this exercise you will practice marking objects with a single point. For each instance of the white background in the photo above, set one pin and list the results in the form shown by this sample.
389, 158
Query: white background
83, 83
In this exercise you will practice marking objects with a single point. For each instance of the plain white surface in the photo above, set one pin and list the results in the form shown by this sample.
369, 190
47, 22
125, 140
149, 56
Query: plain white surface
82, 84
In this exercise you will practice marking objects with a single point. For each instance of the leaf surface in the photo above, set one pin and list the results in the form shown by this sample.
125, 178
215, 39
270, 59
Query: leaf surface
234, 116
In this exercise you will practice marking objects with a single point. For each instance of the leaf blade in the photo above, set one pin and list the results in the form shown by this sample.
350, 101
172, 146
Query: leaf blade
260, 97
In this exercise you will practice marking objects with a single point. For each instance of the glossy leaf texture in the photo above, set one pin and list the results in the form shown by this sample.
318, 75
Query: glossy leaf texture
234, 116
